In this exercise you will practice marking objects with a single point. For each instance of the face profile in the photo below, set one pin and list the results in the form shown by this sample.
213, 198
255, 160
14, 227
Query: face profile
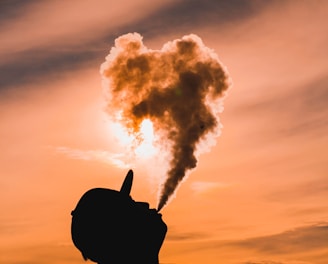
109, 227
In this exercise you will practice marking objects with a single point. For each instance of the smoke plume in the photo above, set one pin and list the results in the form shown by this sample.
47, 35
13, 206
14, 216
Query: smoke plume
179, 88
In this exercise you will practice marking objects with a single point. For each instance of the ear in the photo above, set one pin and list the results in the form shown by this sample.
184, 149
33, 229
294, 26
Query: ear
127, 184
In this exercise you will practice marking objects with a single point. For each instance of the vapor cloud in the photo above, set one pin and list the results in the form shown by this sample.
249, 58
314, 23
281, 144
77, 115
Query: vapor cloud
179, 88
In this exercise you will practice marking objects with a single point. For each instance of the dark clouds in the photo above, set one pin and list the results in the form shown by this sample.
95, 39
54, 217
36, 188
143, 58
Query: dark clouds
13, 9
186, 15
188, 236
36, 64
39, 65
294, 241
263, 262
305, 244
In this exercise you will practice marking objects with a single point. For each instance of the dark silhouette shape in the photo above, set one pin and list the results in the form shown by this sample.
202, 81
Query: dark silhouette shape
109, 227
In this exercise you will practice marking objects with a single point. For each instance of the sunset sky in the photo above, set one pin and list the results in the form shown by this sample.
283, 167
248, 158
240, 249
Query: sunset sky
259, 196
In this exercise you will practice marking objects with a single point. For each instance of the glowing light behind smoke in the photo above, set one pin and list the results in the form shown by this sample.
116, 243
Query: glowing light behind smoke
141, 143
146, 147
178, 89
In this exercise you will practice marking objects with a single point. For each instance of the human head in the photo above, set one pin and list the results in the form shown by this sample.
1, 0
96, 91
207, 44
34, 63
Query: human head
108, 226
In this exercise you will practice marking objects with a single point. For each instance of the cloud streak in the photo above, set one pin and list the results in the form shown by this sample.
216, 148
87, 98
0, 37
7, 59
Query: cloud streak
293, 241
95, 155
303, 245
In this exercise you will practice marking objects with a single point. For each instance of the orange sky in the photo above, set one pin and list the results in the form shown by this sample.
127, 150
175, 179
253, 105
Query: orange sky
258, 197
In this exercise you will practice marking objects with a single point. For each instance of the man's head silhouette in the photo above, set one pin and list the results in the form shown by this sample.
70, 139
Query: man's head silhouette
109, 227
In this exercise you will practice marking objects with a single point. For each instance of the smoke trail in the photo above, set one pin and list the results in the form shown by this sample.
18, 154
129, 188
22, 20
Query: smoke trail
179, 88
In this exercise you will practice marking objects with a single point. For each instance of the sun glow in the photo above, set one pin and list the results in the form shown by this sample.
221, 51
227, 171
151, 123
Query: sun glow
141, 142
146, 148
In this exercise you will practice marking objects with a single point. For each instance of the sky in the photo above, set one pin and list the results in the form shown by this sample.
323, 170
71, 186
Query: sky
259, 196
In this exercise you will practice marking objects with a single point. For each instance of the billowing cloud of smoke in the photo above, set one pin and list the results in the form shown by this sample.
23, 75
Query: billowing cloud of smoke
179, 88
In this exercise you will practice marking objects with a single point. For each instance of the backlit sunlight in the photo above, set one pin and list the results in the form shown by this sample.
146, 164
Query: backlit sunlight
146, 149
141, 141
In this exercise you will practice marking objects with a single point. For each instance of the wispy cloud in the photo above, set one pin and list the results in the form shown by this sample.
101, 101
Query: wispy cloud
263, 262
302, 191
303, 245
188, 236
118, 160
37, 45
276, 262
304, 115
186, 15
297, 240
38, 24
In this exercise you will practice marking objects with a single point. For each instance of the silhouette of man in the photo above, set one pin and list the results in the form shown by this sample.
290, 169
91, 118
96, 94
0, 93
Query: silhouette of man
108, 227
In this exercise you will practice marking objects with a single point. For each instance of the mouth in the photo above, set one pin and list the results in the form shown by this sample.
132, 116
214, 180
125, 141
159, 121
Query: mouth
155, 212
